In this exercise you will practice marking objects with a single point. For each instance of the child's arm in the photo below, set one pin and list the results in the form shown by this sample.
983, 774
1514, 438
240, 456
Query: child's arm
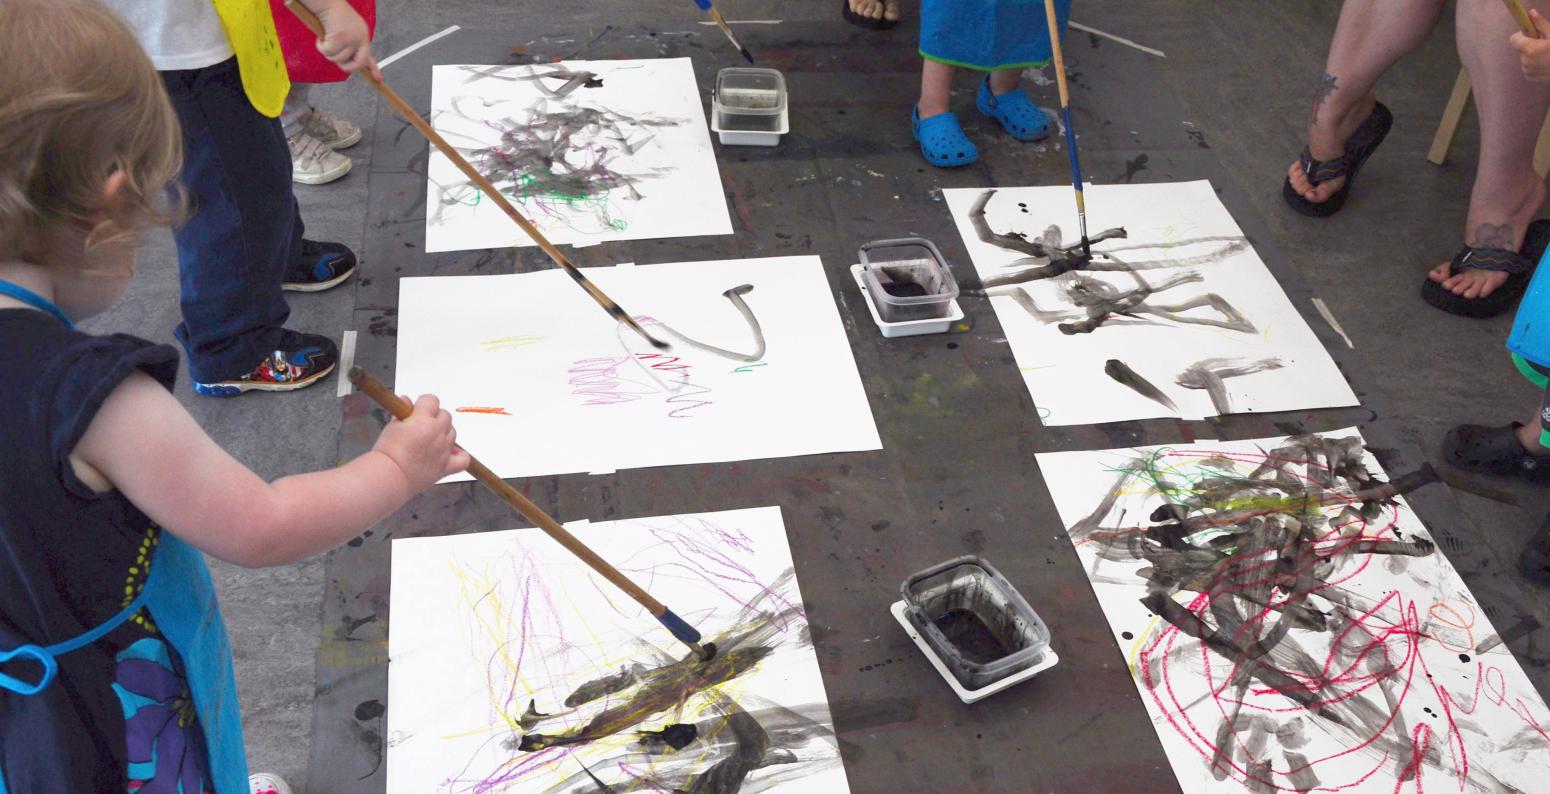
1534, 54
144, 444
345, 39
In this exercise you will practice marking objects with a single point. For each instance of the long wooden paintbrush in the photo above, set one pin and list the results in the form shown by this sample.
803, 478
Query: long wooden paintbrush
680, 628
1065, 117
408, 112
1525, 22
721, 22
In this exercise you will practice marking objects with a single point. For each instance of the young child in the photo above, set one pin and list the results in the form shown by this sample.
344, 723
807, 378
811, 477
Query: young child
244, 243
314, 135
999, 37
115, 673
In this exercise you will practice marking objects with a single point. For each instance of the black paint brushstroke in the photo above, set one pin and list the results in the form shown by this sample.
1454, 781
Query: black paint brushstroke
1209, 373
1124, 375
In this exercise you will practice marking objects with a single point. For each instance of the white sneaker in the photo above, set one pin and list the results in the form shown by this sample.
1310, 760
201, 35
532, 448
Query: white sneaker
333, 131
265, 783
313, 163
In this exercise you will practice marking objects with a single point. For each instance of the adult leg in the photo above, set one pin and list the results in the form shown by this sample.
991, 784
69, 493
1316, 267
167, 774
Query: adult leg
1507, 192
1370, 36
245, 228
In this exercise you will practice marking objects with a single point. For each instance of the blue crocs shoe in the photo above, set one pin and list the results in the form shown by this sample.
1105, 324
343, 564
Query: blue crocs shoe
942, 141
1016, 112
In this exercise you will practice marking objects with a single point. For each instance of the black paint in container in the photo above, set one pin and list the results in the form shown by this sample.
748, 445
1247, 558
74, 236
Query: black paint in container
975, 621
907, 279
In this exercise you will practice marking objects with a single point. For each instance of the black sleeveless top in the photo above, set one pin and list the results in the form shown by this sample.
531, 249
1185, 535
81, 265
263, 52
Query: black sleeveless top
70, 559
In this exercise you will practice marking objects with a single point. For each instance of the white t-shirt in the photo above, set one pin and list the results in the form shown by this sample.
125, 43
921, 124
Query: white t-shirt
177, 34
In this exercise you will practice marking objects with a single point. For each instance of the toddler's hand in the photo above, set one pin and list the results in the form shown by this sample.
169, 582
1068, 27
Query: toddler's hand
345, 39
424, 446
1534, 54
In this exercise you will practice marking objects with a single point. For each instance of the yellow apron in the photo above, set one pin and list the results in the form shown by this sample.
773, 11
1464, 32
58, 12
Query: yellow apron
250, 28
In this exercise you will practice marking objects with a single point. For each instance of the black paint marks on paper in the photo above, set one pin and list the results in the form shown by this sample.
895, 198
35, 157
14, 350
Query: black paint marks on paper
1123, 374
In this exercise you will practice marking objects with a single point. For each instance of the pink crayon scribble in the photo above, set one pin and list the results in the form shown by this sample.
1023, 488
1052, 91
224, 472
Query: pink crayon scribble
601, 383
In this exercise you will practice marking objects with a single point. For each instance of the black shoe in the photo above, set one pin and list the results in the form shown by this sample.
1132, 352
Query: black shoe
300, 361
1494, 450
322, 266
1534, 562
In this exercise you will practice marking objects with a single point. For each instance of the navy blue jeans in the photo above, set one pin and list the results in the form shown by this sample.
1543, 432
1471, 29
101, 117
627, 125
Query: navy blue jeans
245, 228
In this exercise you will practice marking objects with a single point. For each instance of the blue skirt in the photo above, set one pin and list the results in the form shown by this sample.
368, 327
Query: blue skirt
988, 34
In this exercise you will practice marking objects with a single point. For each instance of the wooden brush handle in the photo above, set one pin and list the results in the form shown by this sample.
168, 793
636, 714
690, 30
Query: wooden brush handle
394, 405
1056, 54
410, 115
1525, 22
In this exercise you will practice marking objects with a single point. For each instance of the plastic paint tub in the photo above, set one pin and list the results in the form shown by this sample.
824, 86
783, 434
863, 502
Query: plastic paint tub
748, 107
936, 325
907, 279
976, 624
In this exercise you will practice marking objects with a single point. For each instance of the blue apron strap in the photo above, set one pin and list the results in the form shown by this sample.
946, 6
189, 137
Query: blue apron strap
182, 603
46, 656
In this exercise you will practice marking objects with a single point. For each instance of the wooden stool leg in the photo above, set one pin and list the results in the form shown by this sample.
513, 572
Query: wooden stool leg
1443, 140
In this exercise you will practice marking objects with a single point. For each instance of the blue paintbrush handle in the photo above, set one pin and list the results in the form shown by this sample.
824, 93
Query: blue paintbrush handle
680, 629
703, 4
1076, 165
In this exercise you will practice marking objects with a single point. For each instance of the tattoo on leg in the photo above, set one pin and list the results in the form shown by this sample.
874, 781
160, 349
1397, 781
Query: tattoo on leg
1327, 86
1499, 237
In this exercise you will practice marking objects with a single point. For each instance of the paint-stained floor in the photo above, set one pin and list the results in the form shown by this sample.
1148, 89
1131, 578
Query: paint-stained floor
1241, 76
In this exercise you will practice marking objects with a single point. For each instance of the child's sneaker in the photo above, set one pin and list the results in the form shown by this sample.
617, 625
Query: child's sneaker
322, 266
333, 131
265, 783
313, 163
300, 361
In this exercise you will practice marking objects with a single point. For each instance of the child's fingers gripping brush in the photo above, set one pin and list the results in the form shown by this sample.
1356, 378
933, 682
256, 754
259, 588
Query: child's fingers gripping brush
680, 629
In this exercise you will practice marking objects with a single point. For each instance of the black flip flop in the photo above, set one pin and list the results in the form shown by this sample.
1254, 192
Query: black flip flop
866, 22
1494, 450
1358, 148
1518, 266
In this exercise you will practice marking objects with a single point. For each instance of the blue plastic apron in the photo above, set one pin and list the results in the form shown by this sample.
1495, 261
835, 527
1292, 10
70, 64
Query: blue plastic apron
181, 601
1530, 337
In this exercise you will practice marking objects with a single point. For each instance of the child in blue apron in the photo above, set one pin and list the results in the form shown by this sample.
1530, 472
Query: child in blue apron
115, 673
1520, 449
998, 37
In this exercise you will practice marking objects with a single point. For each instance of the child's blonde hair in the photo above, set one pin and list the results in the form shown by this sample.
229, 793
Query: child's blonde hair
79, 100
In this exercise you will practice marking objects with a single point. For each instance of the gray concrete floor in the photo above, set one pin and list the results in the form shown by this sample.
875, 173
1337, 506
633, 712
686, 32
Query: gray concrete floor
1244, 72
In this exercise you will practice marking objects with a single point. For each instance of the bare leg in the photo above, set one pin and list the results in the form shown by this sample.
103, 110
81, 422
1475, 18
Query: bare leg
936, 82
1528, 436
1370, 37
1507, 192
1004, 80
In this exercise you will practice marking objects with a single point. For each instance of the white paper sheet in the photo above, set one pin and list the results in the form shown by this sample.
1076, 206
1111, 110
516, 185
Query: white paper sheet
1386, 643
484, 624
624, 156
580, 393
1178, 230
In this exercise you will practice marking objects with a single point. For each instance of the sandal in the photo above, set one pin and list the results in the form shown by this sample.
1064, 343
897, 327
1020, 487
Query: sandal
942, 141
1358, 148
1494, 450
1518, 267
1016, 112
866, 22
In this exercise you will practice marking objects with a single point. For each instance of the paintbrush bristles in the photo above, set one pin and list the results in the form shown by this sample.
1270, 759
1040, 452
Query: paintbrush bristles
726, 28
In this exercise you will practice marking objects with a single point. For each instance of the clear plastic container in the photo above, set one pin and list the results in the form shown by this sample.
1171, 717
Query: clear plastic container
749, 106
979, 626
907, 279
